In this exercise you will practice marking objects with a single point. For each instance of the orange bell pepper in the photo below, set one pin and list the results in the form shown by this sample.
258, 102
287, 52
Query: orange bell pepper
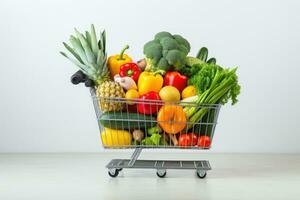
171, 118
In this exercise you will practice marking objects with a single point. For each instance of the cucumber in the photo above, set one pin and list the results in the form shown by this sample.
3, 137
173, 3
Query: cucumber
202, 54
124, 120
211, 61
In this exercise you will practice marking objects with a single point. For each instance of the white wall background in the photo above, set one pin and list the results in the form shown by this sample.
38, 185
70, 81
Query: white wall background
40, 111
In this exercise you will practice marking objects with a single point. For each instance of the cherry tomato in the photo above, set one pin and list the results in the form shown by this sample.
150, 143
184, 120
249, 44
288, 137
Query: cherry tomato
188, 139
194, 139
204, 141
185, 140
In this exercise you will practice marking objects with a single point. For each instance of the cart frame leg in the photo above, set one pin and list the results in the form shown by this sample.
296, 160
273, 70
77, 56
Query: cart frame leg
134, 156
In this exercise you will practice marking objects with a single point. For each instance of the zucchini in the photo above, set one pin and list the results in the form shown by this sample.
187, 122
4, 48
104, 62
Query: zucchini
124, 120
212, 61
202, 54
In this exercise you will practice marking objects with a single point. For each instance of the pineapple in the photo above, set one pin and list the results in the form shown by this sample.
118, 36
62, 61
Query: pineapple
107, 90
91, 58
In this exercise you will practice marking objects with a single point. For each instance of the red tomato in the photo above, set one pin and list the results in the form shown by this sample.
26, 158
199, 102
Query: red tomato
185, 140
194, 139
204, 141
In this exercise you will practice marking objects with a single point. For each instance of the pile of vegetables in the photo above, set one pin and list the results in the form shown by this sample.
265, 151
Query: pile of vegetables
158, 92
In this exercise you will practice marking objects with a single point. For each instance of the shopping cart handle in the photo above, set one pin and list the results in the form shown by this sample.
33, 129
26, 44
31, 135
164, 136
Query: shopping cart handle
78, 77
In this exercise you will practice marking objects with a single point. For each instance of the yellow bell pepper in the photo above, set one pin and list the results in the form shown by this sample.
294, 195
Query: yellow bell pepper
114, 62
112, 137
149, 81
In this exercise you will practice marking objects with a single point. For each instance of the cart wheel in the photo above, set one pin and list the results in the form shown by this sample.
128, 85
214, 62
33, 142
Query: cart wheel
161, 173
113, 173
120, 169
201, 174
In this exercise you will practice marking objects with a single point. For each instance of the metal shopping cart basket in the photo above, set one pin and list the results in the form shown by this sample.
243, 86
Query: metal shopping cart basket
128, 128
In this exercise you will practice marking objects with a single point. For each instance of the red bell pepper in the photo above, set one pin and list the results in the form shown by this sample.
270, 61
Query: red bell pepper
175, 79
149, 107
131, 70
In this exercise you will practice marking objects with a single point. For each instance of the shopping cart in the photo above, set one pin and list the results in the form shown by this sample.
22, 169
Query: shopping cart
116, 130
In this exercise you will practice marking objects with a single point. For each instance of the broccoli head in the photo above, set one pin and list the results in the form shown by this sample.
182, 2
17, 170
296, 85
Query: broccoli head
166, 50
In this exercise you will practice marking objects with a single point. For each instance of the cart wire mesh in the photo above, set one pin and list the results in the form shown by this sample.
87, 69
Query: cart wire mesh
117, 128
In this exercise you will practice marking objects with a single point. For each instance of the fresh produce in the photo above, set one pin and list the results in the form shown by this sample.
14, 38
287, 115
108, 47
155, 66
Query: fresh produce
189, 91
124, 120
193, 62
154, 130
214, 85
89, 54
105, 92
138, 135
169, 93
202, 54
147, 104
190, 61
163, 99
204, 141
211, 61
126, 82
166, 51
154, 137
188, 100
131, 70
171, 118
131, 94
173, 139
187, 139
111, 137
90, 57
194, 138
114, 62
176, 80
142, 64
152, 140
149, 81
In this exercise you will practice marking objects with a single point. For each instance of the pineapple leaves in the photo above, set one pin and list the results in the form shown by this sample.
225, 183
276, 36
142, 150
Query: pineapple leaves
73, 52
88, 38
83, 67
103, 41
78, 49
94, 41
89, 54
100, 58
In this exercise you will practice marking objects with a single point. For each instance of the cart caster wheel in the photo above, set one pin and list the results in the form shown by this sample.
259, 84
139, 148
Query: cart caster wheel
120, 169
161, 173
201, 174
113, 173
